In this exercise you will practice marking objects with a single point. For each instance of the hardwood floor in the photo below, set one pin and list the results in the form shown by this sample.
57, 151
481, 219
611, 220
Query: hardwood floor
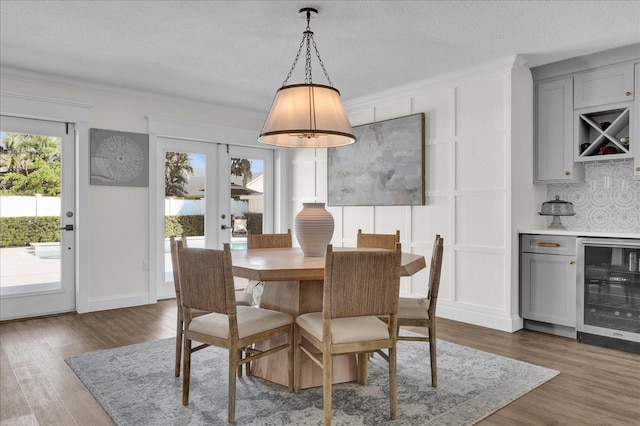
596, 386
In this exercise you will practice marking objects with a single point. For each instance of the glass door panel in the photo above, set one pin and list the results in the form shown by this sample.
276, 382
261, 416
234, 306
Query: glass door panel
204, 198
251, 193
37, 208
184, 192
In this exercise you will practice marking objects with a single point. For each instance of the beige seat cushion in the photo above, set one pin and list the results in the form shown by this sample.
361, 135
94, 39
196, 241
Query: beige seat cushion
413, 306
250, 321
345, 330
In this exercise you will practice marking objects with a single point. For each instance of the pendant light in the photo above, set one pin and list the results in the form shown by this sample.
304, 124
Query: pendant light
307, 115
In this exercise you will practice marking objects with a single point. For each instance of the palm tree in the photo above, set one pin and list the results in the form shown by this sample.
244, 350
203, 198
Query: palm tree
241, 167
177, 169
22, 157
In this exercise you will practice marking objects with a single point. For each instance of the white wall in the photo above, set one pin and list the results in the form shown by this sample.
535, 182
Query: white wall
479, 145
112, 227
478, 187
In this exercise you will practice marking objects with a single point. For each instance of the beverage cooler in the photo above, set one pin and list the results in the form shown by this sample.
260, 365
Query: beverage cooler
608, 293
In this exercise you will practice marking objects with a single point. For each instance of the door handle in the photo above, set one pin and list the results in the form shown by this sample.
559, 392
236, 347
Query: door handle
67, 228
225, 227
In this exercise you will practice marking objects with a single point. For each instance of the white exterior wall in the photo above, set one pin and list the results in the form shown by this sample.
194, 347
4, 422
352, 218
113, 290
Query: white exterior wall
19, 206
479, 190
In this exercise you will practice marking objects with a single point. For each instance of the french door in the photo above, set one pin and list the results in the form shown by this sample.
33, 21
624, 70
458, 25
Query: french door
37, 269
202, 197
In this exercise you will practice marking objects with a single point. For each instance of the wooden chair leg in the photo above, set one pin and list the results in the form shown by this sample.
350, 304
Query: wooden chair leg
432, 355
233, 367
178, 344
239, 365
297, 361
362, 367
327, 381
290, 350
186, 371
393, 383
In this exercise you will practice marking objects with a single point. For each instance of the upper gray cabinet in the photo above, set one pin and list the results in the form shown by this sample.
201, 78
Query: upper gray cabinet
603, 86
586, 110
554, 133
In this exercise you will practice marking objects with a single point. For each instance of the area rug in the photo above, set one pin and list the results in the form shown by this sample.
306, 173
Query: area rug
136, 386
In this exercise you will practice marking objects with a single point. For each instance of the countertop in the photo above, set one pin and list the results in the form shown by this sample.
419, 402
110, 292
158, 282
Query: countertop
576, 233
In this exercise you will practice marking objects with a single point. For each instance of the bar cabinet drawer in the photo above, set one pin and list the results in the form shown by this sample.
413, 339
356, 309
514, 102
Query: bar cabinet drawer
548, 244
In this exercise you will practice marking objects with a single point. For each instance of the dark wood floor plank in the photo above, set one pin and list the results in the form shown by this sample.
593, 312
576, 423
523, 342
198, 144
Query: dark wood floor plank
596, 386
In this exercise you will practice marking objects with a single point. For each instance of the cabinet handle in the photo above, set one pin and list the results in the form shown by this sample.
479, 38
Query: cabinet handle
637, 169
627, 93
571, 262
567, 173
545, 244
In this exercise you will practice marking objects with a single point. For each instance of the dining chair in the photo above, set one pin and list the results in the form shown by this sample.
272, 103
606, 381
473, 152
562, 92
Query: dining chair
420, 311
358, 286
206, 280
242, 298
383, 241
256, 241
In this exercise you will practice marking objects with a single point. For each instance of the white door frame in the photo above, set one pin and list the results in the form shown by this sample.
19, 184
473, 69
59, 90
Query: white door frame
212, 230
48, 299
220, 137
77, 114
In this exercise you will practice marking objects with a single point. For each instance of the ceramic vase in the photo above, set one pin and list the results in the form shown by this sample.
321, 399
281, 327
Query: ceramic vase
314, 229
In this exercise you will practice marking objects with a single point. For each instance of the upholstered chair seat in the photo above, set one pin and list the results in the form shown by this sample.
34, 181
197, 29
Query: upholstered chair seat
345, 330
250, 321
413, 306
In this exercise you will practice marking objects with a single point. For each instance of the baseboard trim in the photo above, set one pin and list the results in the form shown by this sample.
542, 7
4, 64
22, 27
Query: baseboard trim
125, 301
496, 322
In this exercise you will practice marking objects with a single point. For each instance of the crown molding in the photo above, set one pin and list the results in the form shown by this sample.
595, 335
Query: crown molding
506, 63
58, 81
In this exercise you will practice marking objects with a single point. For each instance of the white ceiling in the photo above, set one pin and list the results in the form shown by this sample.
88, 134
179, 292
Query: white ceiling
237, 53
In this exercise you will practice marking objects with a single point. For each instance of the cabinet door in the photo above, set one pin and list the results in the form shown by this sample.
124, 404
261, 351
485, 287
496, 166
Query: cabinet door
603, 86
548, 286
554, 133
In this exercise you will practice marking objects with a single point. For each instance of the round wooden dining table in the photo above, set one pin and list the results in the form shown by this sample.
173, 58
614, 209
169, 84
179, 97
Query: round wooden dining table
293, 284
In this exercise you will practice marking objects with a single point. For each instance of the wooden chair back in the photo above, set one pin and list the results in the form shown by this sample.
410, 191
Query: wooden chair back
434, 275
361, 283
173, 245
206, 280
383, 241
255, 241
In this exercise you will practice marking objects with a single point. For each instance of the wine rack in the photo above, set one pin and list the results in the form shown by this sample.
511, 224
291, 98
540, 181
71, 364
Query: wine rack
603, 134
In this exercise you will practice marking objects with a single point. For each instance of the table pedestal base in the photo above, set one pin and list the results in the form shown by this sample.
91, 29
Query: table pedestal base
296, 298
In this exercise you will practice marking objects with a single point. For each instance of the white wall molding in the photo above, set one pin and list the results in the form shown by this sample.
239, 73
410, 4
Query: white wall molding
57, 81
117, 302
178, 129
43, 108
410, 90
495, 321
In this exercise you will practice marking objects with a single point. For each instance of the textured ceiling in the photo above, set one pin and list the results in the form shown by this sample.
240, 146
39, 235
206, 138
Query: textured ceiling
237, 53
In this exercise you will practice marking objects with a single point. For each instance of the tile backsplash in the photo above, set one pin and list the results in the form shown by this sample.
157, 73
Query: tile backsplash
608, 200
